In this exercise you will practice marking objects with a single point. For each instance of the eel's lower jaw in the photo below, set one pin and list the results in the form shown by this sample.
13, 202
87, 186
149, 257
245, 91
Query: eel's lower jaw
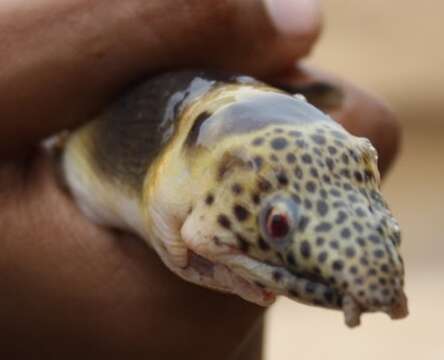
225, 280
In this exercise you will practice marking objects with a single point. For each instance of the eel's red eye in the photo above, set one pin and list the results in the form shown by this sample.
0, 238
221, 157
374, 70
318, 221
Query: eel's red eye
278, 225
277, 221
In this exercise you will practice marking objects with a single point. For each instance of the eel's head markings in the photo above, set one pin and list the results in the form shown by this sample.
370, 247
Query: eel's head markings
294, 206
305, 202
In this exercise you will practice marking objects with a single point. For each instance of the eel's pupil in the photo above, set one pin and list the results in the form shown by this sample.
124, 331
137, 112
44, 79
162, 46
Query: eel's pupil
278, 226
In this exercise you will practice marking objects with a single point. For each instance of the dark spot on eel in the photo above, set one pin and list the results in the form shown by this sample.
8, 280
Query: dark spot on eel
224, 221
241, 213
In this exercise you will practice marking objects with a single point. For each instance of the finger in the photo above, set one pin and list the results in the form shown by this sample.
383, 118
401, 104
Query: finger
68, 284
80, 54
361, 113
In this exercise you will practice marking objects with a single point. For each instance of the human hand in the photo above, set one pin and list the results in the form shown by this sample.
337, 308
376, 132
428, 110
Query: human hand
73, 289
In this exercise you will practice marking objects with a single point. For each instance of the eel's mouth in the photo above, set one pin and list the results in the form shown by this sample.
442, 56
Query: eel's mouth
261, 283
240, 276
223, 278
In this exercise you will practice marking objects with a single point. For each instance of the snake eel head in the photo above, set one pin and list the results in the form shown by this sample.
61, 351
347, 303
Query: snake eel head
296, 211
245, 189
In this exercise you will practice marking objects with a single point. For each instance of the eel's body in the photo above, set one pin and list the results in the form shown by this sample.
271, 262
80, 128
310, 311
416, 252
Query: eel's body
242, 188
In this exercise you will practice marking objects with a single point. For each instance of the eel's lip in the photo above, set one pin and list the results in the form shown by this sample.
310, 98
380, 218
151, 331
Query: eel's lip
332, 296
314, 278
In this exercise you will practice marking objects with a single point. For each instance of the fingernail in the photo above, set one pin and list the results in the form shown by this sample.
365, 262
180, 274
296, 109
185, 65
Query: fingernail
293, 17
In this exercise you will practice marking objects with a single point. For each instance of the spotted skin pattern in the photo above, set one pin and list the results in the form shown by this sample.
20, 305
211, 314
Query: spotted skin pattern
344, 221
345, 241
279, 199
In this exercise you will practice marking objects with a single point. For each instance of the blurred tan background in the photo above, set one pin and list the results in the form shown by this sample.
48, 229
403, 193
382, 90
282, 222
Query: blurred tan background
396, 50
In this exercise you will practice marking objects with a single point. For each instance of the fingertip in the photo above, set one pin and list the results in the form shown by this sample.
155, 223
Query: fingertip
293, 18
387, 134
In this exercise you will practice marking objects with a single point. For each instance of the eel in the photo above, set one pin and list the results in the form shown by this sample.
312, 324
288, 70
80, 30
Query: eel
243, 188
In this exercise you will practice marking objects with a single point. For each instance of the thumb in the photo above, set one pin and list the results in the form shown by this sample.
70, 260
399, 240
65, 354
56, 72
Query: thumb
259, 37
83, 52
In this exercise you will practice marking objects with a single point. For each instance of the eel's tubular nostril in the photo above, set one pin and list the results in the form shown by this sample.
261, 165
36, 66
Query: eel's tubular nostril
399, 309
352, 311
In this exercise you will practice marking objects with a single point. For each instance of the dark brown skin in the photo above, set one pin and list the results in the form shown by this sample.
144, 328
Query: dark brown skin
70, 289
